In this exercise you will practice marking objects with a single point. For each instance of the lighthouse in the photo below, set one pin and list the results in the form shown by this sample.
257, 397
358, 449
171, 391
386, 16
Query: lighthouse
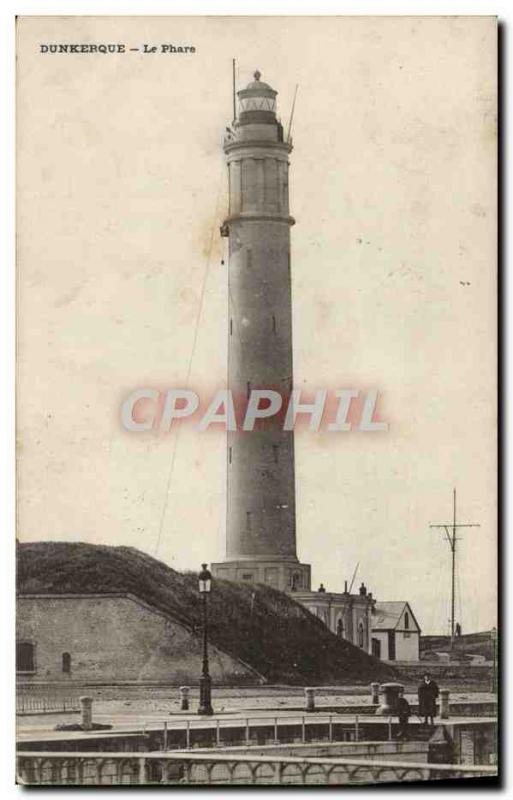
261, 510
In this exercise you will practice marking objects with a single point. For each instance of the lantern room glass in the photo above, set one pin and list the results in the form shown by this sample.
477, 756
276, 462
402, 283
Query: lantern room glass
257, 104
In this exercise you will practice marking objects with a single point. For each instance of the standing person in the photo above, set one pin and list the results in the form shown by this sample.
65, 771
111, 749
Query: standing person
403, 712
428, 692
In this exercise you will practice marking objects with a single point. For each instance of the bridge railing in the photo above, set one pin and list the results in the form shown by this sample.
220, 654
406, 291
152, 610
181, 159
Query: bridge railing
102, 769
267, 729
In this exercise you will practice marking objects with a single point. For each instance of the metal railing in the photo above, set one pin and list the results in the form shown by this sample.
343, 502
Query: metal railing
102, 769
249, 730
31, 704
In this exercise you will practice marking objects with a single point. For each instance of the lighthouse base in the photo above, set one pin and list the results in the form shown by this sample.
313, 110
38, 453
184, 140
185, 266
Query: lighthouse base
285, 574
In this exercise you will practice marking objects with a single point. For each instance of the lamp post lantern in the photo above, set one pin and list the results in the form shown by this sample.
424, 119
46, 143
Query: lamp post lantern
205, 704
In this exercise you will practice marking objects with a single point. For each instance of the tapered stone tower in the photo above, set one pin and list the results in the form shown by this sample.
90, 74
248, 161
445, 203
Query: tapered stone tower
261, 514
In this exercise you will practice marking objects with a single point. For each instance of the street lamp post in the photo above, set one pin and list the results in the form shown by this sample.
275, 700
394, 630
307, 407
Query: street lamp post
205, 684
493, 637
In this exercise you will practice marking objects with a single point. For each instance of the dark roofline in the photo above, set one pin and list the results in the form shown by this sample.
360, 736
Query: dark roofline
404, 603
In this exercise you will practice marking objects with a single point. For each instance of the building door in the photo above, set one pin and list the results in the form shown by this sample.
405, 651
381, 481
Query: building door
391, 645
376, 648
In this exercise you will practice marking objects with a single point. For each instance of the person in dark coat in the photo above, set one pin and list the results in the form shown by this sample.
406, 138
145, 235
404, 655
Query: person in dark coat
428, 692
403, 712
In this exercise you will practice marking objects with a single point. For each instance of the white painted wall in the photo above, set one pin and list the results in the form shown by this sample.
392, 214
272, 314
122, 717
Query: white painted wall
407, 640
406, 646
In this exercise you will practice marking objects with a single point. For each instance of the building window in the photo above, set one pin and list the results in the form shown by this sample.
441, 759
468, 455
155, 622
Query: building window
406, 620
340, 628
274, 324
360, 634
66, 663
247, 576
25, 657
295, 581
248, 521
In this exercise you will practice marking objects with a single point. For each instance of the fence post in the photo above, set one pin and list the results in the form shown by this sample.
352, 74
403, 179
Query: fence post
390, 729
303, 730
142, 771
188, 734
356, 729
248, 740
184, 698
375, 693
164, 745
218, 733
444, 703
276, 740
330, 728
309, 699
86, 707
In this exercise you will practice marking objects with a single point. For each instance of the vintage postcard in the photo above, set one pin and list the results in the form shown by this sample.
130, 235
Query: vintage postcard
256, 400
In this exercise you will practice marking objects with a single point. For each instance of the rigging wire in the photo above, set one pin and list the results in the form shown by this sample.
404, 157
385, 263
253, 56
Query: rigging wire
189, 366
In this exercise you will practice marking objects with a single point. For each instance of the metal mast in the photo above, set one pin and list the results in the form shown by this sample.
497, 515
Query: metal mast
450, 535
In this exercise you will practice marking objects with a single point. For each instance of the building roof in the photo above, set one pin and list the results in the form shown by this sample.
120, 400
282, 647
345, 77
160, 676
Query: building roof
387, 614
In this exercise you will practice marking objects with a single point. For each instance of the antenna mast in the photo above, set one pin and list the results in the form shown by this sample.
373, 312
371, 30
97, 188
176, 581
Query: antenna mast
233, 91
450, 535
354, 576
292, 112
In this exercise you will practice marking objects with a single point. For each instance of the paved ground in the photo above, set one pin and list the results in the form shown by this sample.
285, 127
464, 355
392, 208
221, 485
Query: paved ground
138, 711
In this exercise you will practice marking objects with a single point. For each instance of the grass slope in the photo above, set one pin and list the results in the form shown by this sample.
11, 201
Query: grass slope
265, 628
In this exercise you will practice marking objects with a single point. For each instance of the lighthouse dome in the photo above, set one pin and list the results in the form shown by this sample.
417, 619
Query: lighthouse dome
257, 102
259, 87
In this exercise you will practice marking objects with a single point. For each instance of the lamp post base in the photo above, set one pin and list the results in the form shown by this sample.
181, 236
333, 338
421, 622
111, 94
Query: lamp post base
205, 705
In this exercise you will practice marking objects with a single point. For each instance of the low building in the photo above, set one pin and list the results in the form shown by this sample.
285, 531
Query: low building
347, 615
395, 632
111, 637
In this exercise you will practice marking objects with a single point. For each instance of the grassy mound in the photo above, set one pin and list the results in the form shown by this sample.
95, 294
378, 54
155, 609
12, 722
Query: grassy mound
263, 627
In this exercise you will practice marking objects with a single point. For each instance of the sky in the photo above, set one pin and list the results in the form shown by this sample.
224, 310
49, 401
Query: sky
121, 191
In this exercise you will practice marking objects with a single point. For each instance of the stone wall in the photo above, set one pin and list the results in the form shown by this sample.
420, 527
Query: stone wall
113, 638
